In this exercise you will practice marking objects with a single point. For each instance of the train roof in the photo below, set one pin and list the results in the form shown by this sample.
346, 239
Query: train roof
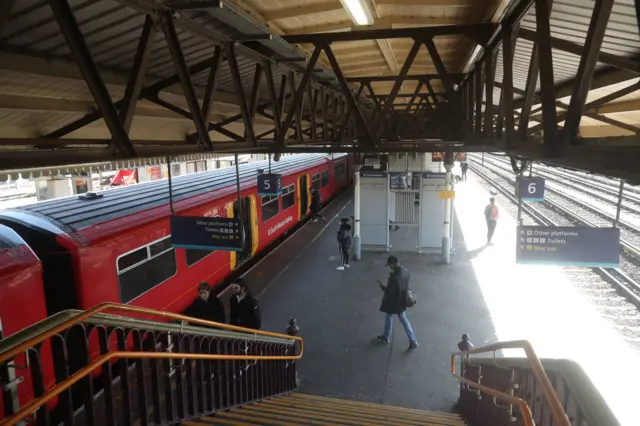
75, 213
9, 238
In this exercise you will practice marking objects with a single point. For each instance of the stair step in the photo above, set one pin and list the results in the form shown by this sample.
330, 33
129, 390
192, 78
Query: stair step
302, 409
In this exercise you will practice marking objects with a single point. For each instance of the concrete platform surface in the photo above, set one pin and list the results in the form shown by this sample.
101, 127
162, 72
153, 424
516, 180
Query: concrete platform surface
339, 320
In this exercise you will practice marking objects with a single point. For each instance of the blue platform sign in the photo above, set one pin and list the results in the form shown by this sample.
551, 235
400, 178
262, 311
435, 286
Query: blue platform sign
531, 188
206, 233
372, 174
568, 246
269, 184
434, 175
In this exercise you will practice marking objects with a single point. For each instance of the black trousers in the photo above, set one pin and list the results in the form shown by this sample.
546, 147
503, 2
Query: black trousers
464, 175
491, 228
344, 254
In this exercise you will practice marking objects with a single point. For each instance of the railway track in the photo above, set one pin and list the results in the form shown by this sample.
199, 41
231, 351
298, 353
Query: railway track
615, 292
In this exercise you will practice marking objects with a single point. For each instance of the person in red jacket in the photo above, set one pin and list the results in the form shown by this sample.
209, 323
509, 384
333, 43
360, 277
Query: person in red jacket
491, 215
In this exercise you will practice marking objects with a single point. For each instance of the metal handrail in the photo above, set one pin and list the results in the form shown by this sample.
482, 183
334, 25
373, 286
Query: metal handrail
558, 413
31, 342
88, 369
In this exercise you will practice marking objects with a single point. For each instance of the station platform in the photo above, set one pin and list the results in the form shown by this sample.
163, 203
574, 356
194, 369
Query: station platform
482, 293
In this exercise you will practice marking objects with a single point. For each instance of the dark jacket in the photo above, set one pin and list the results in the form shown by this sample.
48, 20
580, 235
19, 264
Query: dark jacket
315, 202
245, 313
211, 310
344, 235
393, 301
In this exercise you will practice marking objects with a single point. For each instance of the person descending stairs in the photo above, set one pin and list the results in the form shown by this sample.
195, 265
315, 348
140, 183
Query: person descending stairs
302, 409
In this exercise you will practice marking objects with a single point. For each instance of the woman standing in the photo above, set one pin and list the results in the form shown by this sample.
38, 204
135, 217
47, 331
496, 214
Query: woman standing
244, 308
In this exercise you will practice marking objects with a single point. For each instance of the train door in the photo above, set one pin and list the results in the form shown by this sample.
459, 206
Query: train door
303, 195
249, 229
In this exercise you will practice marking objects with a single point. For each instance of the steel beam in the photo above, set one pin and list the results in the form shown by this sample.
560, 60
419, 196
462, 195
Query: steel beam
478, 98
207, 102
121, 145
186, 114
298, 93
275, 105
255, 93
489, 67
185, 80
506, 97
296, 106
529, 92
547, 83
422, 77
312, 95
138, 72
6, 6
239, 89
477, 32
415, 94
588, 61
363, 129
381, 118
571, 47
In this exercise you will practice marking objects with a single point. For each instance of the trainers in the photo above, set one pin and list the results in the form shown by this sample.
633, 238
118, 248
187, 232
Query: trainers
383, 340
346, 266
413, 344
340, 268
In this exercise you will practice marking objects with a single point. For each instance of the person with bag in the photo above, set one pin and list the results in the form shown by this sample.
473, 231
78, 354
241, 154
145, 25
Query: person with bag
397, 298
344, 243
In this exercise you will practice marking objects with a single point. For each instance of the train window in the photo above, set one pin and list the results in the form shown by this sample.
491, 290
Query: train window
288, 196
133, 258
339, 172
145, 268
325, 178
315, 181
159, 247
146, 276
270, 207
194, 255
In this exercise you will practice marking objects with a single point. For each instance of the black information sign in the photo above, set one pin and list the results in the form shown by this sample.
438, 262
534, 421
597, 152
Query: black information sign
531, 188
269, 184
206, 233
398, 180
568, 246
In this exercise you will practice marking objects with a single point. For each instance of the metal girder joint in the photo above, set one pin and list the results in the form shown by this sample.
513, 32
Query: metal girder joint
120, 143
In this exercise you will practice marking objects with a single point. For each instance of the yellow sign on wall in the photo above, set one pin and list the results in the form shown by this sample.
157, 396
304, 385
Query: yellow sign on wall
447, 194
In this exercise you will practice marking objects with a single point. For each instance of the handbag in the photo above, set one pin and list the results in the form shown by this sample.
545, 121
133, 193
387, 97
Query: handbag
409, 299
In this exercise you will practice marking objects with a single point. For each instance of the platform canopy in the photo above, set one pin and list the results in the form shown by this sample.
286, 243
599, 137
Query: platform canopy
85, 81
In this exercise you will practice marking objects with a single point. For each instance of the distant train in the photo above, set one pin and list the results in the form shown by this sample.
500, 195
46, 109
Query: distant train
76, 252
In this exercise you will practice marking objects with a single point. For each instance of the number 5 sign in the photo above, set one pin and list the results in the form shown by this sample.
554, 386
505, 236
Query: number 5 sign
531, 188
269, 184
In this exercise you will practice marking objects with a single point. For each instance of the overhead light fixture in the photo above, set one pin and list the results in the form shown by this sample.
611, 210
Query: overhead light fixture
472, 58
359, 11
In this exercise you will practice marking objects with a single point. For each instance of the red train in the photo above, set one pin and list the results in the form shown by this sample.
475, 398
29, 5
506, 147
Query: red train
76, 252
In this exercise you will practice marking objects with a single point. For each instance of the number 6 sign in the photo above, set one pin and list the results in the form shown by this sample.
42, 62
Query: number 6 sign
531, 188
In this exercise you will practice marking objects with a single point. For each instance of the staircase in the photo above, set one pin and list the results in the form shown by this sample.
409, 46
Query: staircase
301, 409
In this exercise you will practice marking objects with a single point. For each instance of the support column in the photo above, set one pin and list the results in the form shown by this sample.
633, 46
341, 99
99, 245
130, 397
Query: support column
357, 241
446, 239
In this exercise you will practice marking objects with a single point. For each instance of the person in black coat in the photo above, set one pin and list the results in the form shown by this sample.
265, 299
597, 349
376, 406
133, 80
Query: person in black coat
344, 243
206, 306
316, 202
394, 301
244, 308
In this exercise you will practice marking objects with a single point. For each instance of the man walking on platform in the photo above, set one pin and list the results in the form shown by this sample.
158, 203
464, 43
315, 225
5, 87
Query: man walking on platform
394, 301
491, 215
464, 167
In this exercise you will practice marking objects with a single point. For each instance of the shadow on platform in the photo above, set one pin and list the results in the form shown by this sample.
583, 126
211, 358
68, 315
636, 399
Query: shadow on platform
339, 320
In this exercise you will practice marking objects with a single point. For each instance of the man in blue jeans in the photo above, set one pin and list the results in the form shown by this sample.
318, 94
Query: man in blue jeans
394, 301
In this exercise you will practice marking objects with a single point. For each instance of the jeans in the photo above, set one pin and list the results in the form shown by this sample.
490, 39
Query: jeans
388, 326
344, 254
491, 228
